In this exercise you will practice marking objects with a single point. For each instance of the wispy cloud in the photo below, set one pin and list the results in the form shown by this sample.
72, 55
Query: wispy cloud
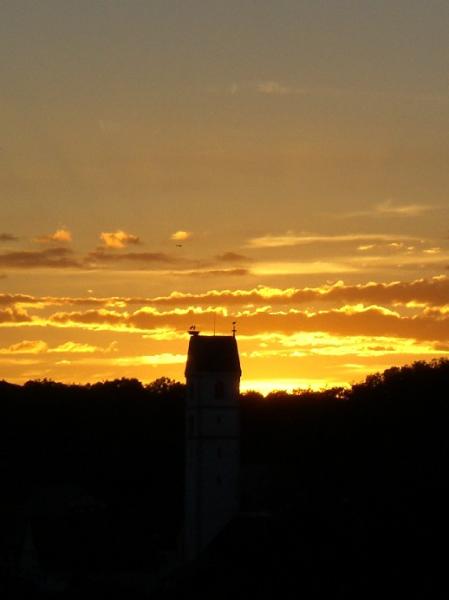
274, 88
118, 239
49, 258
434, 291
292, 239
102, 256
402, 210
415, 293
231, 257
106, 259
62, 235
281, 88
215, 273
8, 237
420, 292
41, 347
82, 348
26, 347
148, 360
346, 320
388, 208
267, 87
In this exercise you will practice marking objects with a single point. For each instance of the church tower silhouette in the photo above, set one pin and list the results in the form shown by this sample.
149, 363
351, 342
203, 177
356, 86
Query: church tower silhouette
212, 438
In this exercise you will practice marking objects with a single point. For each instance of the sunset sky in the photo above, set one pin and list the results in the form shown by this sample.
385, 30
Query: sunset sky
166, 163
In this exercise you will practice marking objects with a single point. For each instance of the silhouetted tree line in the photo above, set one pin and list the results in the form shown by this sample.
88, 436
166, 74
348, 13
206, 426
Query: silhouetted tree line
356, 479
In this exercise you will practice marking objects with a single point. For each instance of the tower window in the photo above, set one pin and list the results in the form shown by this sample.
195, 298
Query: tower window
219, 390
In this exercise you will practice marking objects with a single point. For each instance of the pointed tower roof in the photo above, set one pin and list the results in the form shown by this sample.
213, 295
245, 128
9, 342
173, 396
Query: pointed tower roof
212, 354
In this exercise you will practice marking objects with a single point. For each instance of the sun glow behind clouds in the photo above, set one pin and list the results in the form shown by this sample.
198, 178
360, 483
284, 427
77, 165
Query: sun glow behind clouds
289, 338
301, 268
265, 386
173, 200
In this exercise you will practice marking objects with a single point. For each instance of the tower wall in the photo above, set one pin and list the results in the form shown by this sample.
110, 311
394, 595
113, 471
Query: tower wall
212, 457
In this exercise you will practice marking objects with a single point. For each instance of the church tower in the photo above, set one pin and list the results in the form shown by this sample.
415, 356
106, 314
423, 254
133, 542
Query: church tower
212, 438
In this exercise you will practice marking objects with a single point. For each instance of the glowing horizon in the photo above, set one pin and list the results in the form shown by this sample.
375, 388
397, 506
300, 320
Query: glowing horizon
170, 164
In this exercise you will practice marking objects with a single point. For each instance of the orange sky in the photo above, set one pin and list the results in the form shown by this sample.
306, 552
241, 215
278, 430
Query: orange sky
165, 164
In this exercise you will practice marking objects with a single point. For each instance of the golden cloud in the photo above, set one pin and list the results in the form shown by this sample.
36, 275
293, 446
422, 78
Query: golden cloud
288, 328
118, 239
181, 236
347, 320
434, 291
62, 235
79, 348
292, 239
26, 347
13, 316
8, 299
41, 347
412, 294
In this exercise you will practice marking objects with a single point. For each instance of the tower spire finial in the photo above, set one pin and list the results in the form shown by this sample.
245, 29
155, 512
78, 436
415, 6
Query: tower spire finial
234, 328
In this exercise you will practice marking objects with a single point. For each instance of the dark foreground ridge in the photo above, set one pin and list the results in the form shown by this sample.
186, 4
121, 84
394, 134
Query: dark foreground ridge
344, 492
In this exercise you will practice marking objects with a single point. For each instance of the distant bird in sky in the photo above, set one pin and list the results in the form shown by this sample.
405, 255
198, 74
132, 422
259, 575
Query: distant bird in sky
179, 245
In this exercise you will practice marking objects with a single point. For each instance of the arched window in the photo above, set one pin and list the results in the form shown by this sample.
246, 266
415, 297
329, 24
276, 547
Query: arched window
219, 390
